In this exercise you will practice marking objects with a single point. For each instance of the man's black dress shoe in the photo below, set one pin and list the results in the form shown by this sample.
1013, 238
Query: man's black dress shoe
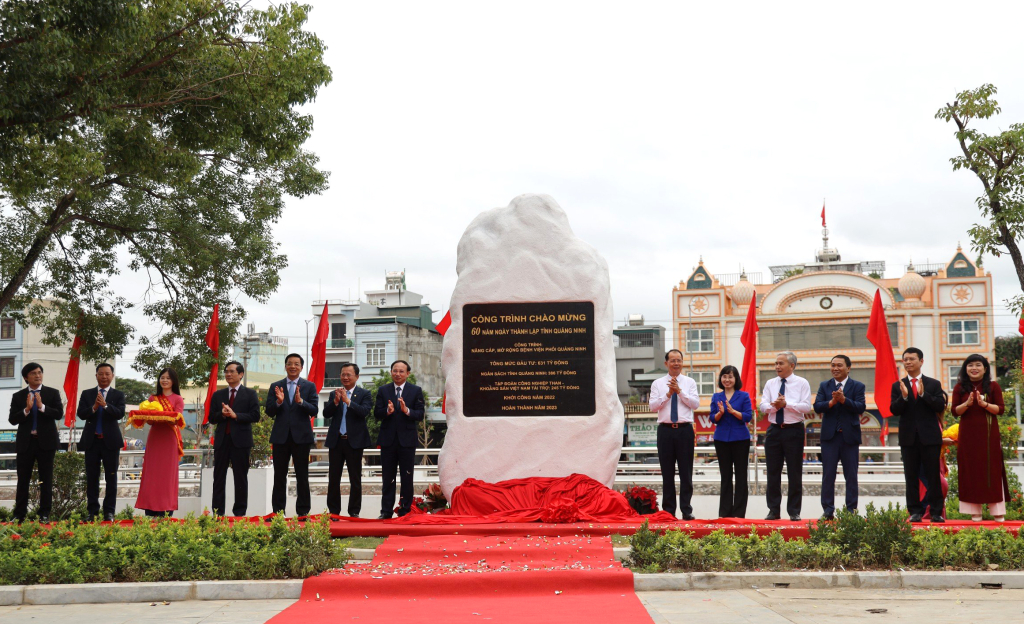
827, 518
794, 518
108, 517
688, 517
91, 518
383, 517
44, 519
938, 519
915, 518
772, 516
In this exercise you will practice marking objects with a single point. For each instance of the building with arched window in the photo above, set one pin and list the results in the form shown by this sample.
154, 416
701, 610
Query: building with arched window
820, 309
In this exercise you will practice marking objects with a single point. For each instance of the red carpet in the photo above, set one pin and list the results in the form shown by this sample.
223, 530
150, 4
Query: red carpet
455, 579
356, 527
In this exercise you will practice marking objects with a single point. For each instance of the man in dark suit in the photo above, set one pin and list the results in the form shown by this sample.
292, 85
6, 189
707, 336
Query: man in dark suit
102, 409
347, 436
916, 399
840, 401
399, 407
233, 409
35, 410
292, 403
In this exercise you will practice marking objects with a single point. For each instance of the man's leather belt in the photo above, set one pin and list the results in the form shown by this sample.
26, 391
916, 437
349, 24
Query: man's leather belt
343, 436
676, 425
787, 425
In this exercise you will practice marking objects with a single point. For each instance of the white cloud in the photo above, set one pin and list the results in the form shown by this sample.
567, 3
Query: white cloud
665, 130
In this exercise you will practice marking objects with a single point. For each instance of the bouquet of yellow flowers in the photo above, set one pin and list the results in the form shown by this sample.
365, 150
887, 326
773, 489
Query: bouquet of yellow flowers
155, 412
951, 433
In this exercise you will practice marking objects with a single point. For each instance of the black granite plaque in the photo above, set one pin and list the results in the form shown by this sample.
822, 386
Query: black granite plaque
528, 359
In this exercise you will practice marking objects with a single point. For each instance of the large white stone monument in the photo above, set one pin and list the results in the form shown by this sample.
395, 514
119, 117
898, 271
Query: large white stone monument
528, 358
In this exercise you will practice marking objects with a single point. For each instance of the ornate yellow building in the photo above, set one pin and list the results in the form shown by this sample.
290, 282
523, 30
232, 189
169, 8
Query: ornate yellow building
821, 309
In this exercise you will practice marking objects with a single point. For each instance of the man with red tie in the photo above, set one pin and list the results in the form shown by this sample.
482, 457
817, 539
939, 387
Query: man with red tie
233, 409
101, 408
35, 410
916, 399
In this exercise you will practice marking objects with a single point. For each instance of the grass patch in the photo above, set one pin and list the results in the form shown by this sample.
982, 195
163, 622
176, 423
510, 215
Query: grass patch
360, 542
620, 541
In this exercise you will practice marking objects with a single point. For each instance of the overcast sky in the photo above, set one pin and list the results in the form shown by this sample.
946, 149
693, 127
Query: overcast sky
666, 131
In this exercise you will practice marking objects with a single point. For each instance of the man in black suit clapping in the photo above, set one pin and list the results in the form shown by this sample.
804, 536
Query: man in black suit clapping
399, 407
347, 436
102, 409
35, 410
233, 409
292, 403
916, 399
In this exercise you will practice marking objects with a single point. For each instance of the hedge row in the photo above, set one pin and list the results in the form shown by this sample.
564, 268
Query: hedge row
202, 548
876, 540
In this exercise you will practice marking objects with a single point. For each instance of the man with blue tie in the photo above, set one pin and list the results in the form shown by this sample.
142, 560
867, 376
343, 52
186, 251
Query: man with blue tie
292, 403
347, 436
840, 401
35, 410
785, 400
102, 409
673, 398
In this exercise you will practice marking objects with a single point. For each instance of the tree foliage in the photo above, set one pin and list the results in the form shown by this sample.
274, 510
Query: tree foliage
1008, 353
157, 136
426, 429
998, 162
135, 391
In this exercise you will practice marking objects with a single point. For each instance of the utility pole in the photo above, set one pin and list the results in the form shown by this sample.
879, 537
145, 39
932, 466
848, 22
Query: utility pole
245, 362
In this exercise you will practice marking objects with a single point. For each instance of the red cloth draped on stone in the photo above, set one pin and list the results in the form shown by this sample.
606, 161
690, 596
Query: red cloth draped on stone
535, 499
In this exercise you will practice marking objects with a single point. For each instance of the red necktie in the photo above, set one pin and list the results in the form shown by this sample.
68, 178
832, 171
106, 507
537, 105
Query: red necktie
231, 403
913, 387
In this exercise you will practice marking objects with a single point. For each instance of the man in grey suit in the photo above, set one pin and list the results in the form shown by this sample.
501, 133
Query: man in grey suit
292, 403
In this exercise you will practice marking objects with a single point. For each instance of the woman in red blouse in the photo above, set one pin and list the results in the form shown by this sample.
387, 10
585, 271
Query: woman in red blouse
978, 401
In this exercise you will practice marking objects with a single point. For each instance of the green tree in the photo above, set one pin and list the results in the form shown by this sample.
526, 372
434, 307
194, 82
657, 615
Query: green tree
135, 391
998, 162
157, 136
1008, 352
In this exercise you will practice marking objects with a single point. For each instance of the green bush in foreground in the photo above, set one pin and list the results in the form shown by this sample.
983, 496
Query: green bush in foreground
202, 548
880, 539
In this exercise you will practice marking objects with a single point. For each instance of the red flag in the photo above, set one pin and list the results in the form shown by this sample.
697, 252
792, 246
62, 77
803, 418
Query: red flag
442, 328
885, 362
823, 213
212, 341
71, 382
446, 322
749, 372
1020, 328
318, 356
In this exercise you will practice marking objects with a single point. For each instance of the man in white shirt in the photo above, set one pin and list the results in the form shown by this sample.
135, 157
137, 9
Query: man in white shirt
785, 400
674, 397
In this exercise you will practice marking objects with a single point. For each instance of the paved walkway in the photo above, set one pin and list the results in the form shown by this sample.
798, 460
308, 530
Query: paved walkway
826, 606
754, 606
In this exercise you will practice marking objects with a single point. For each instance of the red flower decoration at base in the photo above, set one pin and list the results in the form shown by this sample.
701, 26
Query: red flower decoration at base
563, 511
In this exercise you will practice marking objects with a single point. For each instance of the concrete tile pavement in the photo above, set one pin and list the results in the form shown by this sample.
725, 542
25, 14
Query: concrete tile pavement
753, 606
185, 612
832, 606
